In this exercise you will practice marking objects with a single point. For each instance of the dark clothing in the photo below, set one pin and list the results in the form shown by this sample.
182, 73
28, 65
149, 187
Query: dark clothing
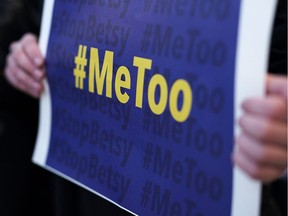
16, 18
278, 48
274, 195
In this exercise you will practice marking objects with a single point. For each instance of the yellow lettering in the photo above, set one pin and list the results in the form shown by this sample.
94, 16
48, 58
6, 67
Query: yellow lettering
184, 87
120, 83
142, 65
106, 72
158, 80
180, 95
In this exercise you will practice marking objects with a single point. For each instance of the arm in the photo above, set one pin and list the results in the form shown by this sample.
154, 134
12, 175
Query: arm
24, 67
262, 144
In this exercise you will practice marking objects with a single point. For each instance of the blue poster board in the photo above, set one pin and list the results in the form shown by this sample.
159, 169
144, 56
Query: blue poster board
142, 102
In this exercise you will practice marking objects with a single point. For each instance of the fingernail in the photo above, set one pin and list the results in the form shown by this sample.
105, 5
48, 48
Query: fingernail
38, 74
35, 86
38, 61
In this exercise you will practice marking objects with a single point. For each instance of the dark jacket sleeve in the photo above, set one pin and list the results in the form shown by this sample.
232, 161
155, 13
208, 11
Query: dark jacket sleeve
17, 18
278, 48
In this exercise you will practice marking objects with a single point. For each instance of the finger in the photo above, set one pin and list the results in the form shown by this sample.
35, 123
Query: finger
277, 84
22, 61
256, 171
9, 75
32, 50
12, 79
21, 80
264, 129
271, 107
30, 86
29, 56
262, 153
14, 46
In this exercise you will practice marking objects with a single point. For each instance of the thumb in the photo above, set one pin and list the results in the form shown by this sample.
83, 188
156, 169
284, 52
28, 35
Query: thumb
277, 84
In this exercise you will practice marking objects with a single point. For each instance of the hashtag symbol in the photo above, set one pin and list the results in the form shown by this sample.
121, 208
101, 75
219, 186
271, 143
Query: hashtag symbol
147, 5
146, 191
147, 155
146, 119
146, 38
79, 70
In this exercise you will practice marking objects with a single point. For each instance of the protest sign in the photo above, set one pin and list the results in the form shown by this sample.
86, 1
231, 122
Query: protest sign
141, 100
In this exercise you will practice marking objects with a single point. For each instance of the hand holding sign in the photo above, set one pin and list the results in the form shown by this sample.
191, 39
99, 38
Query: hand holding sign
262, 151
25, 66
